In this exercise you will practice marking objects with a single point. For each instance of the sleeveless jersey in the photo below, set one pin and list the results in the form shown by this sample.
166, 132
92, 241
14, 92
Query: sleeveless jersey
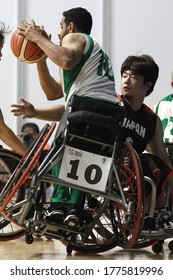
92, 76
164, 109
138, 126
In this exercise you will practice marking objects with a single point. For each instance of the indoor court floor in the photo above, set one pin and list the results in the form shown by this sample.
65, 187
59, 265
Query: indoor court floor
44, 249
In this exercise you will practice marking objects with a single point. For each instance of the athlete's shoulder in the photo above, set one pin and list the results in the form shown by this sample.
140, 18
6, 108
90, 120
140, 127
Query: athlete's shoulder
148, 110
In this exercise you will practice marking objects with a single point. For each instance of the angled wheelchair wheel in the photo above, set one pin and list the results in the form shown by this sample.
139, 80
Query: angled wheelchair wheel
128, 219
8, 162
11, 204
26, 167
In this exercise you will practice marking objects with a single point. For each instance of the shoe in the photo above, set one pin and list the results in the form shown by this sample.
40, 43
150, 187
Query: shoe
71, 219
54, 216
166, 219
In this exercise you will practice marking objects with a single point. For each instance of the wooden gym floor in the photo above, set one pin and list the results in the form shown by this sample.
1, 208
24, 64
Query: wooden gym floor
44, 249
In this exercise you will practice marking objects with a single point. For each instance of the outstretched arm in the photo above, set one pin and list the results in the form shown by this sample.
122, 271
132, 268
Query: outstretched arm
27, 110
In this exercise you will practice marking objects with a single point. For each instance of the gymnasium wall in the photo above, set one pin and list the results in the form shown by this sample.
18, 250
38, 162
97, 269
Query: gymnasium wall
122, 27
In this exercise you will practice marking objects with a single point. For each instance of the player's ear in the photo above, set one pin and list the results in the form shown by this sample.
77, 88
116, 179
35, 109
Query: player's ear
148, 85
71, 27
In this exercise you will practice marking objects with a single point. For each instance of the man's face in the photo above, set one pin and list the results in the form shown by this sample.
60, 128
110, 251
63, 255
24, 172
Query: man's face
64, 30
132, 85
31, 131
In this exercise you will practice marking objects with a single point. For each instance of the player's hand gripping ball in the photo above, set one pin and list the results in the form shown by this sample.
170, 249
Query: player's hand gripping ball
26, 50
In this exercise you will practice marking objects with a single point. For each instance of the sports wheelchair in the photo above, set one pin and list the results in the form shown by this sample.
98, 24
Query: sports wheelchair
94, 159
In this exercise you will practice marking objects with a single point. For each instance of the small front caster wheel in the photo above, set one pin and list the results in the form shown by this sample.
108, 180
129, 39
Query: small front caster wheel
29, 239
157, 247
170, 245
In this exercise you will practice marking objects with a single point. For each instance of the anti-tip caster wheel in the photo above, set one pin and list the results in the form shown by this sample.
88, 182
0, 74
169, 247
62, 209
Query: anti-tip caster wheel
157, 247
170, 245
29, 239
69, 249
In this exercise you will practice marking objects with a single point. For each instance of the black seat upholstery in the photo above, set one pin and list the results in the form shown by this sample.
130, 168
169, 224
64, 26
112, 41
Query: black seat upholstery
95, 119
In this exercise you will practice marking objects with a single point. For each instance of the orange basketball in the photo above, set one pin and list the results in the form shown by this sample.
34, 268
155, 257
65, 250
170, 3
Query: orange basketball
24, 49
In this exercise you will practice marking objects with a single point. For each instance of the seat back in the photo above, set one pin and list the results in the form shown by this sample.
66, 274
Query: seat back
96, 119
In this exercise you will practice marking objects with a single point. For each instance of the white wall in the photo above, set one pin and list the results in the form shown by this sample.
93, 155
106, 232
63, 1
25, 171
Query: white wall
123, 27
143, 27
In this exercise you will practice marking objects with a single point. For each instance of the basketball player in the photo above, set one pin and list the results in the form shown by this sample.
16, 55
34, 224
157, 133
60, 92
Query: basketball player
142, 127
6, 134
85, 70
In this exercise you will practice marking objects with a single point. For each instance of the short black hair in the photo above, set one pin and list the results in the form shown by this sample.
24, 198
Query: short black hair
4, 30
81, 18
30, 124
143, 65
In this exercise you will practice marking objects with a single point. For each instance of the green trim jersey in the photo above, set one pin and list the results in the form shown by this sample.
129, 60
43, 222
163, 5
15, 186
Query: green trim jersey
92, 76
164, 109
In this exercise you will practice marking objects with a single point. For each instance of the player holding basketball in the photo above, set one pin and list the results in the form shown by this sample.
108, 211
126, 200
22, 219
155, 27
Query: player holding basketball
6, 134
138, 77
84, 70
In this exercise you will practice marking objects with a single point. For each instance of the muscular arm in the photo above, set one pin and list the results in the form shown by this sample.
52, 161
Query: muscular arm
50, 86
157, 146
65, 56
53, 113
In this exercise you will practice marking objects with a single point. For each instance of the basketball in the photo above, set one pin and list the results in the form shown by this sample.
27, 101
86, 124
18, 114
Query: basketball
24, 49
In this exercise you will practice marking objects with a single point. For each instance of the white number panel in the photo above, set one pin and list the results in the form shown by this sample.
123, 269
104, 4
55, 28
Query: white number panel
85, 169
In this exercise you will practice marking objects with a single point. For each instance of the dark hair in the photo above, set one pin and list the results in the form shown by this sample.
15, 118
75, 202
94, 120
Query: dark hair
143, 65
30, 124
4, 30
81, 18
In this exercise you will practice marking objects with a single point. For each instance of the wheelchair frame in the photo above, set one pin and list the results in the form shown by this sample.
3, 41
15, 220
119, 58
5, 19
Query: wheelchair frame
119, 219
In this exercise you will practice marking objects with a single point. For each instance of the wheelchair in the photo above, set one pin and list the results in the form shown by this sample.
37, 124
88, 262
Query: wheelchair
94, 159
12, 167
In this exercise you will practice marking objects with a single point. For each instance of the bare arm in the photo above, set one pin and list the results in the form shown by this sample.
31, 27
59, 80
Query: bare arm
50, 86
27, 110
157, 146
53, 113
9, 138
65, 56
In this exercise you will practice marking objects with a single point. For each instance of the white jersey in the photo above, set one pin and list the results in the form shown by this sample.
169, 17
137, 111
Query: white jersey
92, 76
164, 109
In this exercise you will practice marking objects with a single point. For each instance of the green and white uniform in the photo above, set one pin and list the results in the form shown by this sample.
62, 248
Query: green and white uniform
92, 76
164, 109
